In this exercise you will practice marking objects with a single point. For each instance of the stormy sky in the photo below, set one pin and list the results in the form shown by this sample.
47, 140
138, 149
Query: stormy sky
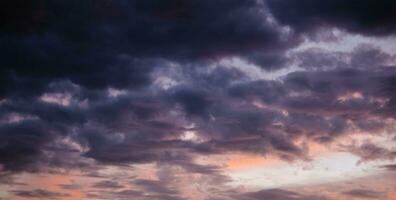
198, 99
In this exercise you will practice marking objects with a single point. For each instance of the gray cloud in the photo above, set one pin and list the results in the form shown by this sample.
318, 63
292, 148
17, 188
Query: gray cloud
39, 193
278, 194
108, 185
361, 17
366, 194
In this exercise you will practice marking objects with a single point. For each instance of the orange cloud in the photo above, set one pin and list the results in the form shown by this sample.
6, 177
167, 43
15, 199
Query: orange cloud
392, 196
246, 161
51, 183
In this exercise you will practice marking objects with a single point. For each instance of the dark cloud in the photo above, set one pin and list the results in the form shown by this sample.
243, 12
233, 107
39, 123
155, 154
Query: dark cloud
369, 152
154, 186
108, 185
126, 194
99, 44
265, 91
193, 102
39, 194
319, 59
277, 194
389, 167
72, 186
158, 189
43, 141
361, 17
365, 194
323, 91
88, 84
111, 148
263, 117
21, 144
363, 56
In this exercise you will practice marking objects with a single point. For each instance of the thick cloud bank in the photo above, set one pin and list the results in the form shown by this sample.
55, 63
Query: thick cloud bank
85, 84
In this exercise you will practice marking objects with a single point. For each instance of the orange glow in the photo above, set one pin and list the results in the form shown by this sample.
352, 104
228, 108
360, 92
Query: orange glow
247, 161
51, 183
316, 149
392, 196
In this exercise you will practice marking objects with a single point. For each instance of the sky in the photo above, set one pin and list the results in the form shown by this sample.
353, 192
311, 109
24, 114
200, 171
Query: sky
198, 99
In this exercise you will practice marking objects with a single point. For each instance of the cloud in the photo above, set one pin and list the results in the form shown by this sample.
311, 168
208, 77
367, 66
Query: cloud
99, 44
277, 194
108, 185
351, 15
39, 193
72, 186
86, 85
389, 167
254, 116
22, 144
363, 56
263, 117
369, 152
366, 194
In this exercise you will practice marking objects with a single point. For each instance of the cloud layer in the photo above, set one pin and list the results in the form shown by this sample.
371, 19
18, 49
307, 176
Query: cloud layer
86, 85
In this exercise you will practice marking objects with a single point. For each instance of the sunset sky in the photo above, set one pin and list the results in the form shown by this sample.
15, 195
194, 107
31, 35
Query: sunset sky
198, 99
